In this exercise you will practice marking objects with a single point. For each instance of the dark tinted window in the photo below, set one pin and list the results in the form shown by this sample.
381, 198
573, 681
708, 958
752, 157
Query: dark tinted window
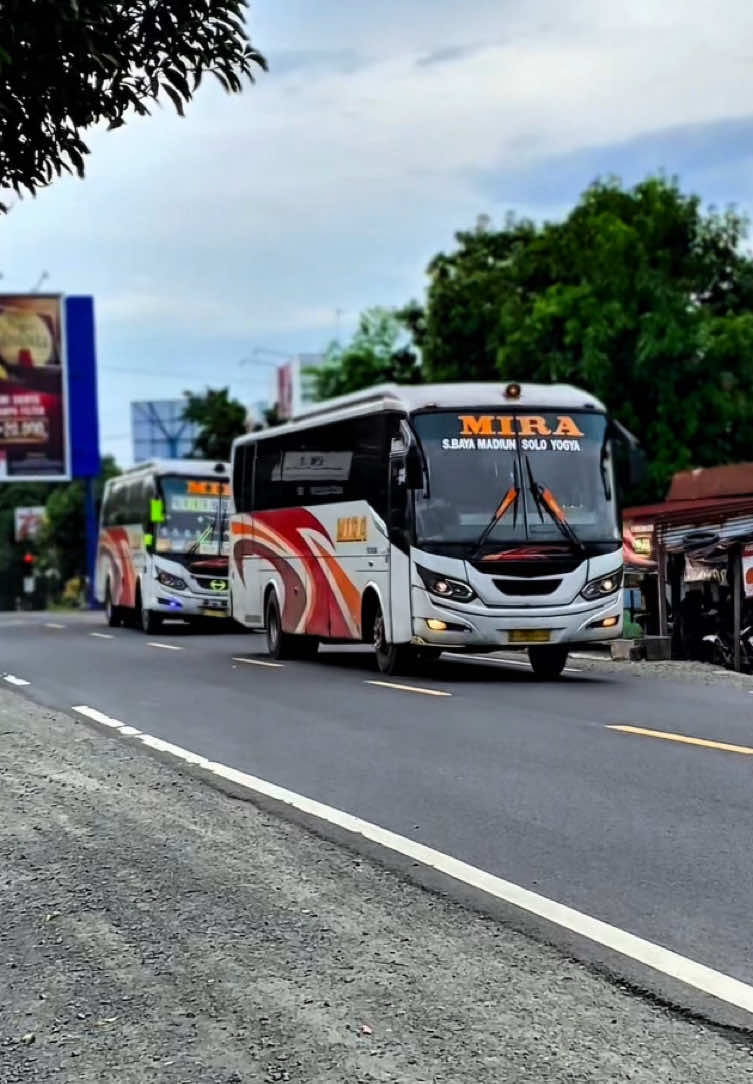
342, 461
243, 473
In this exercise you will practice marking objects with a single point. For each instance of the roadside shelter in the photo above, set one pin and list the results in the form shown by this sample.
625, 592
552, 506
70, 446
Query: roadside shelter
701, 534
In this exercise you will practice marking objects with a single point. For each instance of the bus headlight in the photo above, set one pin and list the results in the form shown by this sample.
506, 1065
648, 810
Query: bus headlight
168, 580
605, 585
445, 587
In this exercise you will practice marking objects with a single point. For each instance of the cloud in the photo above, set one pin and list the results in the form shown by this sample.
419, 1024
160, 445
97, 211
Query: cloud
448, 54
699, 154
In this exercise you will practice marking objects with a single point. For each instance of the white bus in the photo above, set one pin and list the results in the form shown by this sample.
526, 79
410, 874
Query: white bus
163, 543
466, 517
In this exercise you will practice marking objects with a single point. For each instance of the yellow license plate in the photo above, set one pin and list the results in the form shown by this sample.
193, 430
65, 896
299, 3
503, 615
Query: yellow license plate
529, 636
214, 613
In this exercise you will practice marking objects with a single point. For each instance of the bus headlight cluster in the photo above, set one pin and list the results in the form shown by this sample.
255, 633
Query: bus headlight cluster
168, 580
605, 585
445, 587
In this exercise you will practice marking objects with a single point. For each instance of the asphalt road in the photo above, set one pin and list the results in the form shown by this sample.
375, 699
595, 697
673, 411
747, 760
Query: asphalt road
522, 779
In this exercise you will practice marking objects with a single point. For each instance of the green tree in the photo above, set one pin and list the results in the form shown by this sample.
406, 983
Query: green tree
15, 495
377, 354
62, 542
66, 65
457, 329
220, 420
639, 296
646, 301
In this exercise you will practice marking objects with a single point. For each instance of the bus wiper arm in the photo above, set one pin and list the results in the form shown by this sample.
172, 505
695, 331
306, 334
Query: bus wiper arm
545, 499
510, 500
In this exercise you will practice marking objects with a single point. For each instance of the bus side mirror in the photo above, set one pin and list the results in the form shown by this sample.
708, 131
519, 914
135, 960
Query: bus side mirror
637, 466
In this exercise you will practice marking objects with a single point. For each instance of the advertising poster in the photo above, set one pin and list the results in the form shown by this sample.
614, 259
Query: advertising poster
747, 560
29, 522
33, 408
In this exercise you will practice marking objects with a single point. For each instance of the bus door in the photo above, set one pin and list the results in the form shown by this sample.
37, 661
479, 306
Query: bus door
404, 472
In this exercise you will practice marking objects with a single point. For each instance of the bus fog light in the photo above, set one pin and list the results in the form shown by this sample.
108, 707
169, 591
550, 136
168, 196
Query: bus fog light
605, 623
436, 626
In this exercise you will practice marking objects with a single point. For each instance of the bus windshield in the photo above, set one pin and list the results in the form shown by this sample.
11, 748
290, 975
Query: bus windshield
515, 478
196, 516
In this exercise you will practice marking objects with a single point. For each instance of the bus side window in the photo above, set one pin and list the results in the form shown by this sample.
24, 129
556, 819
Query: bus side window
147, 493
106, 510
268, 490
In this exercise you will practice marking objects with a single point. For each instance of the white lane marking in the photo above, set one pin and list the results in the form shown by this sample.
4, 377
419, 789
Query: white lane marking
53, 625
408, 688
660, 959
99, 717
16, 680
106, 720
102, 635
507, 662
165, 647
259, 662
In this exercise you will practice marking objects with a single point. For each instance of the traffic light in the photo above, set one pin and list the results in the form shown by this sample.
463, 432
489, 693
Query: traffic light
29, 560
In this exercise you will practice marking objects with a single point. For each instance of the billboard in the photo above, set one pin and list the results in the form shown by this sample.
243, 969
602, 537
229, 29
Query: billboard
28, 522
158, 430
33, 389
295, 384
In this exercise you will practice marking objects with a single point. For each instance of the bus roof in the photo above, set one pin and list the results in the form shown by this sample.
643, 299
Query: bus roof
190, 467
408, 399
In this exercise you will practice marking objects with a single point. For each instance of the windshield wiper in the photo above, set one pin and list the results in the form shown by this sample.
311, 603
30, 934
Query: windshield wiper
545, 499
510, 500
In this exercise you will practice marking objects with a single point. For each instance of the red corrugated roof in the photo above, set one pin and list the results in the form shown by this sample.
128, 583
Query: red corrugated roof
710, 510
734, 480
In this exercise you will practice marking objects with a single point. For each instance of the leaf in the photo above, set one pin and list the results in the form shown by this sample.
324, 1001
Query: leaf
174, 97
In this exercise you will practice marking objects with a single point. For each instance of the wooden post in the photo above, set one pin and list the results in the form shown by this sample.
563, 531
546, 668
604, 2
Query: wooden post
737, 599
661, 568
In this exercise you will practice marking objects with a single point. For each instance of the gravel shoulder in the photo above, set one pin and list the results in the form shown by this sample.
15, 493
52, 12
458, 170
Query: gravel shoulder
156, 930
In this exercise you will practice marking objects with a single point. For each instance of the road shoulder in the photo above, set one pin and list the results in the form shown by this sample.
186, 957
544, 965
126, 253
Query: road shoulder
156, 930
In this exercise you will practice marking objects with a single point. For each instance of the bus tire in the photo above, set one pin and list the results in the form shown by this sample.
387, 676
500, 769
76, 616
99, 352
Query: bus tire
547, 663
149, 622
391, 658
113, 615
278, 642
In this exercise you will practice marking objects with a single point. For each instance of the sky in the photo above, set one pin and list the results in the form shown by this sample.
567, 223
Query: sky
262, 224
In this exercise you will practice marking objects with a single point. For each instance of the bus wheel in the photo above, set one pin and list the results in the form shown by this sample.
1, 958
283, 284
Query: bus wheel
391, 658
547, 662
278, 642
113, 615
149, 621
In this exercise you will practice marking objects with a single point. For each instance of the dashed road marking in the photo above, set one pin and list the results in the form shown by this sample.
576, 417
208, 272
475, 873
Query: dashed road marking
53, 625
15, 680
164, 647
684, 739
408, 688
102, 635
260, 662
662, 960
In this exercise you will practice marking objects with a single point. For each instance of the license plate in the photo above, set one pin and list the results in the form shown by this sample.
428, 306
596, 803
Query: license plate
529, 636
213, 613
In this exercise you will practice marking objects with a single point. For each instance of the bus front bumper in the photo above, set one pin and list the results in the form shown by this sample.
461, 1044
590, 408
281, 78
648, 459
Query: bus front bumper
182, 605
474, 628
